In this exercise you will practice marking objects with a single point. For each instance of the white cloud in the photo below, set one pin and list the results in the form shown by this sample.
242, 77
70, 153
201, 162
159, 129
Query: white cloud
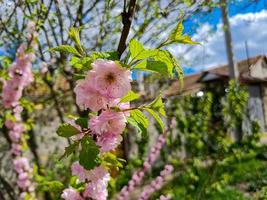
250, 27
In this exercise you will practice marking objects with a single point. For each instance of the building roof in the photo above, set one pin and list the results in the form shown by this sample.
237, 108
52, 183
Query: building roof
193, 83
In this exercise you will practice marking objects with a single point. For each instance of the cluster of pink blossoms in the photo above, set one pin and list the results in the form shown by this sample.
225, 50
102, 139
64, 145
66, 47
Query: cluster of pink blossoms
101, 90
138, 176
96, 183
157, 183
24, 171
20, 76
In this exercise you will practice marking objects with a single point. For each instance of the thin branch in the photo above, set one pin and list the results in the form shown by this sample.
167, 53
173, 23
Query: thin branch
126, 21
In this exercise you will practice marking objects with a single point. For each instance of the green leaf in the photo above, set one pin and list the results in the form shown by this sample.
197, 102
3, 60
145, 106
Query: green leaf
83, 63
140, 127
111, 160
184, 39
177, 31
138, 51
165, 57
89, 154
66, 49
135, 48
130, 96
77, 76
51, 186
153, 66
74, 33
158, 106
139, 117
156, 117
67, 130
177, 36
82, 122
147, 53
109, 55
70, 149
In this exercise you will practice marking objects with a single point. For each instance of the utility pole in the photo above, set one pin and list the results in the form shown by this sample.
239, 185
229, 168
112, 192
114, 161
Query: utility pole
233, 72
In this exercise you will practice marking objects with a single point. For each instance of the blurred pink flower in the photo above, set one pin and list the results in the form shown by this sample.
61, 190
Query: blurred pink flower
71, 194
21, 165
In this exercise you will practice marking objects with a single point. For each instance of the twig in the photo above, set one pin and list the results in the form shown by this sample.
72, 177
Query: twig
126, 21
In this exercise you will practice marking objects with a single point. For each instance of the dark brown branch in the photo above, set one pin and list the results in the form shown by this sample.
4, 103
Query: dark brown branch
126, 21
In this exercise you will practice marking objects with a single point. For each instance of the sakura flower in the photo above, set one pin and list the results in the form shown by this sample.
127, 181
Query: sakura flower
108, 121
16, 149
71, 194
97, 187
110, 79
108, 141
79, 171
21, 165
88, 97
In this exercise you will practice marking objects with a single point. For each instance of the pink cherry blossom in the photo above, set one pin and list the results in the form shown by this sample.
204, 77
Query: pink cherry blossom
107, 127
21, 164
88, 97
16, 149
110, 79
97, 187
20, 76
71, 194
108, 121
97, 179
23, 180
79, 171
108, 141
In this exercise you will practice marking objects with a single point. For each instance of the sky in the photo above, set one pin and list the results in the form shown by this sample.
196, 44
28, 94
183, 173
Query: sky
248, 25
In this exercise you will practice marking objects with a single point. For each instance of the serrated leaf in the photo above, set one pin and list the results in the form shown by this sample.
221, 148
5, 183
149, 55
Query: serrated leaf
140, 127
158, 106
70, 149
156, 117
66, 49
184, 39
89, 153
67, 130
82, 122
109, 55
164, 56
153, 66
147, 53
177, 31
130, 96
139, 117
135, 48
138, 51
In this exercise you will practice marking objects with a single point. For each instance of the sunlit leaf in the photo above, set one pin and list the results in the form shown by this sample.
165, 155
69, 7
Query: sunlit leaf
156, 117
67, 130
130, 96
